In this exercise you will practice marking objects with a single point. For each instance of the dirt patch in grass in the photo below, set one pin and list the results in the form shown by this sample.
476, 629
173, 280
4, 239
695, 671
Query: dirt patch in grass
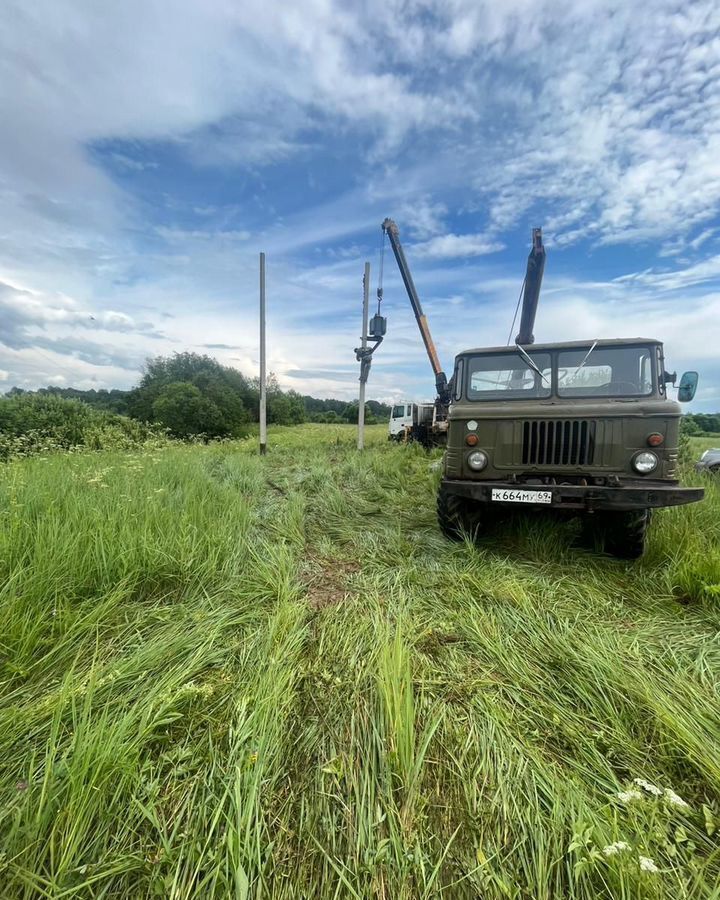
328, 585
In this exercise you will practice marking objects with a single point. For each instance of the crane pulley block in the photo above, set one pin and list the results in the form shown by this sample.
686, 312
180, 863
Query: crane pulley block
378, 326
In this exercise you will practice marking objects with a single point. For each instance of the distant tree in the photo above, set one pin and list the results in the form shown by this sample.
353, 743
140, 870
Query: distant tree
285, 408
689, 426
181, 408
701, 423
110, 401
344, 410
219, 411
708, 422
326, 418
230, 400
314, 405
350, 414
381, 411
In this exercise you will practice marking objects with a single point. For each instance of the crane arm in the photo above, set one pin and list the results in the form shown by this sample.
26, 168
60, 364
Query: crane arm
531, 292
393, 233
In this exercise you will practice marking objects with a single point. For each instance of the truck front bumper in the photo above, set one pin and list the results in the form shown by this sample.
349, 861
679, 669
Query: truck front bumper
631, 495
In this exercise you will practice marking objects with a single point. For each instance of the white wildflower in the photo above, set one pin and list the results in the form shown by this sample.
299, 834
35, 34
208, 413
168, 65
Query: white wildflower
615, 847
675, 800
650, 788
647, 864
629, 796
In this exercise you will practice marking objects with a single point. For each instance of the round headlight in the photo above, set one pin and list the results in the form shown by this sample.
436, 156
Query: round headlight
477, 460
645, 462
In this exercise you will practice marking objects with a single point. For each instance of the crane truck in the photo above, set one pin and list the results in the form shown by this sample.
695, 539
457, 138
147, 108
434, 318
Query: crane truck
584, 428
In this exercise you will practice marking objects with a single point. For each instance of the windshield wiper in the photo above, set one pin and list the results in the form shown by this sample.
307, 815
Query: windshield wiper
587, 356
531, 363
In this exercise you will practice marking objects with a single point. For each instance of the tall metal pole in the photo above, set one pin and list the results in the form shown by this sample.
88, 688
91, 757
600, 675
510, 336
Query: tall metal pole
363, 339
263, 384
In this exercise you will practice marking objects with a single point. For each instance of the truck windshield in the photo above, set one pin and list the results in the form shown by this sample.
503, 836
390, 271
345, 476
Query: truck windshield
501, 376
605, 372
397, 412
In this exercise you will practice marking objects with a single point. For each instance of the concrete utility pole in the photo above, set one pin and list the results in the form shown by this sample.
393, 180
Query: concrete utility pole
263, 384
374, 332
363, 347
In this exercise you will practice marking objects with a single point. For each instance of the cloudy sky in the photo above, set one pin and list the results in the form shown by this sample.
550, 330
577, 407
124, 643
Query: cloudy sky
150, 150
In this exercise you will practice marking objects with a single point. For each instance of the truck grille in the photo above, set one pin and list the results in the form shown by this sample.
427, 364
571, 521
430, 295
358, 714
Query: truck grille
559, 442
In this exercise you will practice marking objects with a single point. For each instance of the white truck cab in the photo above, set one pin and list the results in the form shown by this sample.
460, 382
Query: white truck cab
405, 417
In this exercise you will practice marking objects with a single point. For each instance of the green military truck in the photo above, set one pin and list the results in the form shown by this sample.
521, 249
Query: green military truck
583, 428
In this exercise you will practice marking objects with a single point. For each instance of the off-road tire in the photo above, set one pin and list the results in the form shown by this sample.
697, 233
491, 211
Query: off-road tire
458, 516
625, 532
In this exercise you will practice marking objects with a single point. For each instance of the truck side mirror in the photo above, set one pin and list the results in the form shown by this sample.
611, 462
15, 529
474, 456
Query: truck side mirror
688, 386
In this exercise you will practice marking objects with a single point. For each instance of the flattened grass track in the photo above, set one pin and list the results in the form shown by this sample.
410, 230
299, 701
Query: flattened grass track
227, 676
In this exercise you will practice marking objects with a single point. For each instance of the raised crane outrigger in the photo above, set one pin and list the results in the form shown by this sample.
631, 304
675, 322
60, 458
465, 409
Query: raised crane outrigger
441, 383
531, 289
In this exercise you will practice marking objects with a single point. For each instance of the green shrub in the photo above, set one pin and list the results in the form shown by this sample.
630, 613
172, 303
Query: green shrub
192, 395
39, 423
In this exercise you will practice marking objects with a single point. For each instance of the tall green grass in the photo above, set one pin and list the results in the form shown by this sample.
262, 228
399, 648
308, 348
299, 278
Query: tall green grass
226, 675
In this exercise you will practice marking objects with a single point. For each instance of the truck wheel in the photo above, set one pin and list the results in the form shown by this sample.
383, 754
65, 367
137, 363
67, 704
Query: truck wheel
457, 516
625, 533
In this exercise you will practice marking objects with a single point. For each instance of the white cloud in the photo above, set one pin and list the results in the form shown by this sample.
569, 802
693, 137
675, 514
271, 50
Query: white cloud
621, 130
24, 309
184, 235
707, 270
424, 216
451, 246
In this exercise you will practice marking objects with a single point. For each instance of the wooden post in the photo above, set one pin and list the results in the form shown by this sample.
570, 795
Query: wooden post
263, 379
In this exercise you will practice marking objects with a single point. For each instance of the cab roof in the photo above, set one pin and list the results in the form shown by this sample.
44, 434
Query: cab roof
567, 345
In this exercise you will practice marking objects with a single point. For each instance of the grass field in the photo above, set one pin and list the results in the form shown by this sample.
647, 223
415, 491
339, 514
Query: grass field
227, 676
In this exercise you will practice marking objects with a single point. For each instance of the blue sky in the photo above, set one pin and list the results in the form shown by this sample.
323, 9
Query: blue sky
148, 157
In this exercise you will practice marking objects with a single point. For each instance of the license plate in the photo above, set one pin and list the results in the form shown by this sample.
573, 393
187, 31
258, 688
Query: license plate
512, 495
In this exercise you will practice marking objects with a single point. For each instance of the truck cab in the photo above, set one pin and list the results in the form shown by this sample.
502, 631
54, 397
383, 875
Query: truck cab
584, 428
401, 418
409, 419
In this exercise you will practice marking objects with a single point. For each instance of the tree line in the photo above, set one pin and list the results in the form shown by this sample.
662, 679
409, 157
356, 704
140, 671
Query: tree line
191, 394
701, 423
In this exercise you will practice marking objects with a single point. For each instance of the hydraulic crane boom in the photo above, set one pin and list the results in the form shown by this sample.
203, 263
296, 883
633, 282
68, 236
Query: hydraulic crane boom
531, 292
441, 384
